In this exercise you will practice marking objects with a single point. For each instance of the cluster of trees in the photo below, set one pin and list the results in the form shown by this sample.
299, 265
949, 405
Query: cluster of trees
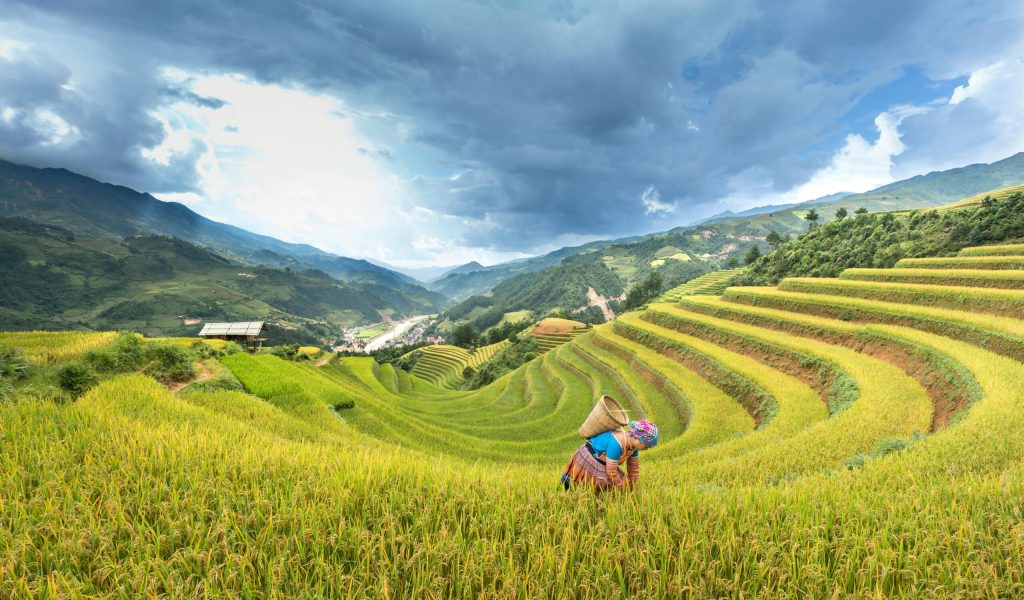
467, 336
520, 351
643, 292
881, 239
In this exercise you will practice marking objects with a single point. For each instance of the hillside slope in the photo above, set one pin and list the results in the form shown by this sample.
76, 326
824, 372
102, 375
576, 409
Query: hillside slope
474, 279
109, 212
608, 271
51, 278
880, 240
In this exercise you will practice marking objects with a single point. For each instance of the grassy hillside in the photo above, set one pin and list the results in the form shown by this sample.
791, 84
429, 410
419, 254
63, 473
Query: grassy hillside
825, 438
940, 187
444, 365
51, 278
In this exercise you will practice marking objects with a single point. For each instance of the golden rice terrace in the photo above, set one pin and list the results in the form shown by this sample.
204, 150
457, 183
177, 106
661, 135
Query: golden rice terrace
861, 436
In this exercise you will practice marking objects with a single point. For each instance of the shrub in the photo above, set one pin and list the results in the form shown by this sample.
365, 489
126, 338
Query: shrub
285, 351
127, 353
225, 381
202, 351
167, 362
76, 378
232, 348
13, 364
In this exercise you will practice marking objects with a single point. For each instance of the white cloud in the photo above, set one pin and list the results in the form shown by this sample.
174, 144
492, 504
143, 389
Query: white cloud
981, 121
9, 48
431, 245
653, 205
281, 161
999, 78
860, 165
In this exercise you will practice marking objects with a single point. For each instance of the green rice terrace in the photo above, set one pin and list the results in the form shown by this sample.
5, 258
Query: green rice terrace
713, 283
552, 332
443, 365
859, 436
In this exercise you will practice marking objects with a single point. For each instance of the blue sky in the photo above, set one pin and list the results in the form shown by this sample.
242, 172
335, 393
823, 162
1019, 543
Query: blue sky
424, 133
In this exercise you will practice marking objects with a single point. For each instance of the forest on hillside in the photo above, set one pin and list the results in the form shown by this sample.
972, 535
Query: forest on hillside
879, 240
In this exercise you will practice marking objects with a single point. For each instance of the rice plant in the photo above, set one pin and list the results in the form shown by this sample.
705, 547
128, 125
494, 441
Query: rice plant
356, 480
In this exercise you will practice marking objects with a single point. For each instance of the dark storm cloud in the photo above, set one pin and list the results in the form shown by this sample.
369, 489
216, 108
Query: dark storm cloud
557, 116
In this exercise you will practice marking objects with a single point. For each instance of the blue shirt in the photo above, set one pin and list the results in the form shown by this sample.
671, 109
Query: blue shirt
607, 444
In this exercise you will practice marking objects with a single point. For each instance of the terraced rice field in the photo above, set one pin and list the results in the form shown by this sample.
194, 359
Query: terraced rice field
42, 347
850, 437
551, 333
442, 365
713, 283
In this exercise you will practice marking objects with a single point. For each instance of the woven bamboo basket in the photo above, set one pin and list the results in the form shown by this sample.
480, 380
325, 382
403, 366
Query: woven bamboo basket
606, 415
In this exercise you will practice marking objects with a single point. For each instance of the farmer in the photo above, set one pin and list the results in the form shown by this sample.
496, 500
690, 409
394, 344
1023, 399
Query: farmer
596, 463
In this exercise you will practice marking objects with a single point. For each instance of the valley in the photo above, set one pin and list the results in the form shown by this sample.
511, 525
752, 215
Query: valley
396, 331
511, 300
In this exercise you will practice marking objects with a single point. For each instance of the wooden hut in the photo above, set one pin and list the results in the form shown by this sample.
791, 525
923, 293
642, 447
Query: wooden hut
247, 333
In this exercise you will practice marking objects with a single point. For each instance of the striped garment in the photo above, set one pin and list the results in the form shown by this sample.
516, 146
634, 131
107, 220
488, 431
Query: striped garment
595, 470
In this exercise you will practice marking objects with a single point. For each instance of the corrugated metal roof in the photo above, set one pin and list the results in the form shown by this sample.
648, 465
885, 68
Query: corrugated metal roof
245, 328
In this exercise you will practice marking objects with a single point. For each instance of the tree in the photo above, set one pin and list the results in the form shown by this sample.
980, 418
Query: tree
774, 239
464, 336
861, 211
812, 217
732, 263
841, 213
753, 254
644, 291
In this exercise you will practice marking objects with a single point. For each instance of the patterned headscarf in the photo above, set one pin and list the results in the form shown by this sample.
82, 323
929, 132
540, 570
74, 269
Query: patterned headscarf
645, 431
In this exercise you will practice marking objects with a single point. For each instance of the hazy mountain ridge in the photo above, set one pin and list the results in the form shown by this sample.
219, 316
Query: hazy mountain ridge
713, 243
460, 285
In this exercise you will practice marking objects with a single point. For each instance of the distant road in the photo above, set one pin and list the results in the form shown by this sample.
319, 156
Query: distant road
397, 331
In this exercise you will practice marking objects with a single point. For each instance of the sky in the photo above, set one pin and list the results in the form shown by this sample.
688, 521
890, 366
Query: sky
434, 133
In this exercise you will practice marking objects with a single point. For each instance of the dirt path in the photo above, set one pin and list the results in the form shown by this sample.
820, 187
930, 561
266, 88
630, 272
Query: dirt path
323, 361
204, 374
595, 299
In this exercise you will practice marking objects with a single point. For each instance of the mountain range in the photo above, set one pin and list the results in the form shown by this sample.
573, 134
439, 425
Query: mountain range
560, 280
64, 226
114, 213
741, 230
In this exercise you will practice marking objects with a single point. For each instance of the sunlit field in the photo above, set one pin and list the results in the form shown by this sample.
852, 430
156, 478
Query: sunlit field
814, 445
